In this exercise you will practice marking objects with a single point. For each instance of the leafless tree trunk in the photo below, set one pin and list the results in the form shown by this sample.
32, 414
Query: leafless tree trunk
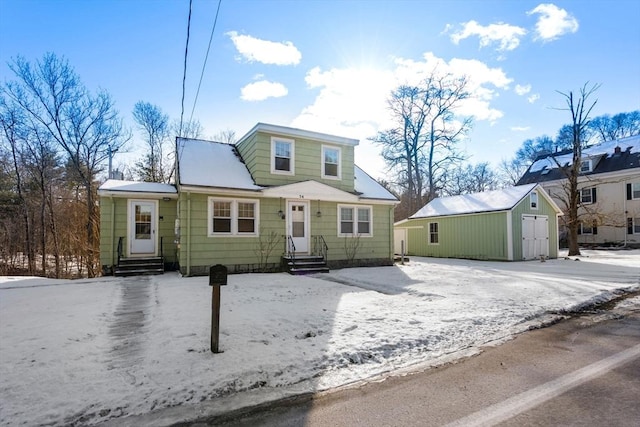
84, 126
579, 121
422, 145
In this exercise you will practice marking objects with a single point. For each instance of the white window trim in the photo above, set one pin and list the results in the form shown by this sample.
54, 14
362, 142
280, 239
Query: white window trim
429, 233
590, 190
234, 217
535, 208
588, 162
292, 162
635, 224
355, 220
633, 184
582, 232
322, 164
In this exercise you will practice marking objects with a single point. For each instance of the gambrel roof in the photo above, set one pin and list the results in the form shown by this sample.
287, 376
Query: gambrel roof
488, 201
610, 156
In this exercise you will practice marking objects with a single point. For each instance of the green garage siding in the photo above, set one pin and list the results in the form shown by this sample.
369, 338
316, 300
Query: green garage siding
545, 209
480, 236
486, 226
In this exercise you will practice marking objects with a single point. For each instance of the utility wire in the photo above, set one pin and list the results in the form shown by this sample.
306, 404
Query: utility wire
184, 75
215, 21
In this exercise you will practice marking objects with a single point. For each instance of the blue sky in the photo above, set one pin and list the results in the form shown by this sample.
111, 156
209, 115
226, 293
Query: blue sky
328, 66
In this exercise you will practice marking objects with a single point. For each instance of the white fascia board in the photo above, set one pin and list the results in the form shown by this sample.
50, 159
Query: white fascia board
546, 195
136, 194
310, 190
300, 133
219, 190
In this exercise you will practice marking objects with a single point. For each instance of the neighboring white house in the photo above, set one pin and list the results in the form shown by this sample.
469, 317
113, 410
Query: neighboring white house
609, 190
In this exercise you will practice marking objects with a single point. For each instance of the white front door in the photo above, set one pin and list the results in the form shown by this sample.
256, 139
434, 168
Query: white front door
535, 236
142, 227
298, 225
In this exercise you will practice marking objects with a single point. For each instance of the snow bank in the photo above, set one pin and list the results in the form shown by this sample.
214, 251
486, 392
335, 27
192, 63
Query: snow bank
83, 352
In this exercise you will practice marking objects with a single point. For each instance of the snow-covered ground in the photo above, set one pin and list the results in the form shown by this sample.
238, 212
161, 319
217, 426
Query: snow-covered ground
87, 351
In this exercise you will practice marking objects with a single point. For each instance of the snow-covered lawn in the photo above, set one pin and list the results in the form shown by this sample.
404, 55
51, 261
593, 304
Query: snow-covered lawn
87, 351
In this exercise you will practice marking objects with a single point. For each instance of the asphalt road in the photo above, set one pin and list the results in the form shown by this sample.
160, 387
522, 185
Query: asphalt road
584, 371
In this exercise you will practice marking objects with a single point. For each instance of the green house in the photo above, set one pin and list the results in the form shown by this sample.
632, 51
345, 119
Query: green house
280, 198
515, 223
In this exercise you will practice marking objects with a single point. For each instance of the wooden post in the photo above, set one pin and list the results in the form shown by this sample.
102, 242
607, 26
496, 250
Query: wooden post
217, 278
215, 318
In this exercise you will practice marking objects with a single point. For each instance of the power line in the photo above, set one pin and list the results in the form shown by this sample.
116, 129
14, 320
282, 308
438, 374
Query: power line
184, 75
204, 65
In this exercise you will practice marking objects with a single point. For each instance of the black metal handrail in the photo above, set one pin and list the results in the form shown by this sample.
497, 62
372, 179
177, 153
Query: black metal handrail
120, 248
291, 249
320, 246
161, 246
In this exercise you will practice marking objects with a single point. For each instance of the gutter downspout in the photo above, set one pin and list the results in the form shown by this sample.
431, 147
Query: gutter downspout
113, 230
188, 234
624, 210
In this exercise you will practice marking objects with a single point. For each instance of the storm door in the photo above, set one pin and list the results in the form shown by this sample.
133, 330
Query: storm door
142, 227
298, 225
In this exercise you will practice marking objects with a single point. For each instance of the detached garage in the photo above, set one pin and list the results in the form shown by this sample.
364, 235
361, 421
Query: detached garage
515, 223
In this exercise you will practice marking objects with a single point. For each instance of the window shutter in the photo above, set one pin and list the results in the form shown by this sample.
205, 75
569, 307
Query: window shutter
629, 225
595, 230
593, 195
579, 228
629, 193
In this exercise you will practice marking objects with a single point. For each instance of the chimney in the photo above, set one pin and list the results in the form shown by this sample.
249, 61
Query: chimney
617, 150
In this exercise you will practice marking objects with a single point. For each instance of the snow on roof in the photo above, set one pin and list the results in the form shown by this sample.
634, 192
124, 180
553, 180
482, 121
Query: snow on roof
299, 133
488, 201
137, 187
632, 143
212, 164
369, 187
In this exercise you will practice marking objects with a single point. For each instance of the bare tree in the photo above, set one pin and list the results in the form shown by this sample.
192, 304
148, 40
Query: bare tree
422, 145
84, 126
471, 179
154, 166
227, 136
580, 111
621, 125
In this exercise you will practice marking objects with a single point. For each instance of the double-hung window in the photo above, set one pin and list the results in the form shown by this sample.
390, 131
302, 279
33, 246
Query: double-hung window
587, 195
434, 237
231, 217
354, 221
585, 166
331, 162
282, 156
633, 191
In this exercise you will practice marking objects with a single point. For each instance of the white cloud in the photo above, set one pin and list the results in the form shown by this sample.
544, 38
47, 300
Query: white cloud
264, 51
520, 128
533, 98
352, 102
523, 90
553, 22
506, 36
261, 90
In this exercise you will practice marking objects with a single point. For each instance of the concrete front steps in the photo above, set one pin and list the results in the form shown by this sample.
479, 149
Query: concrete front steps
305, 264
137, 266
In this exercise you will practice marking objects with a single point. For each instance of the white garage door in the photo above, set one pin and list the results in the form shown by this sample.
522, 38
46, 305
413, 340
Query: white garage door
535, 236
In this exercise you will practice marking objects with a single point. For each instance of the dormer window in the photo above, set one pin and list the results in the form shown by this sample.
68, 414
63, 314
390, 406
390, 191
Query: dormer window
586, 166
331, 162
282, 156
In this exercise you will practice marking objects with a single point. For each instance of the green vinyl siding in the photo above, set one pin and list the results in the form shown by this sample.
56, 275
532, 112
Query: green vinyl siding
112, 227
198, 251
544, 209
479, 236
308, 161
